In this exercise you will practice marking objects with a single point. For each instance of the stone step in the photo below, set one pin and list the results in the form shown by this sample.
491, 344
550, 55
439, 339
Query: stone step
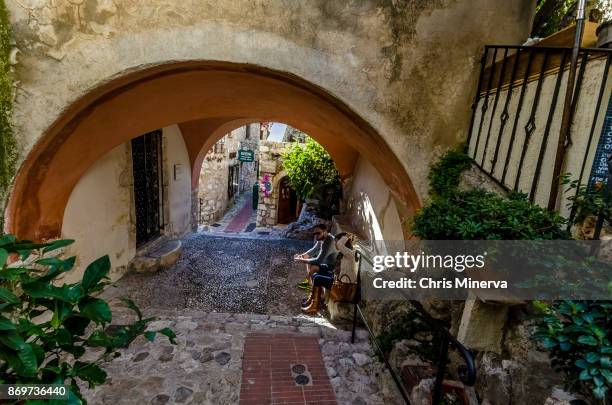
160, 257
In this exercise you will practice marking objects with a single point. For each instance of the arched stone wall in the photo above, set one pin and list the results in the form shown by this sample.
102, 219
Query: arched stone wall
395, 79
200, 92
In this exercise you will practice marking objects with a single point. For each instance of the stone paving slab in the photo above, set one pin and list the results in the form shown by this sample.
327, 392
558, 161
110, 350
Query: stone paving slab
205, 367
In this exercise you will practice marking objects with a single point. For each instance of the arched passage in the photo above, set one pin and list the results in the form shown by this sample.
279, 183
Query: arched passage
206, 99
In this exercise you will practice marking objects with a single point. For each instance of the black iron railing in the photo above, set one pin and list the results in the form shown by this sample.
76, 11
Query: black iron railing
519, 103
467, 372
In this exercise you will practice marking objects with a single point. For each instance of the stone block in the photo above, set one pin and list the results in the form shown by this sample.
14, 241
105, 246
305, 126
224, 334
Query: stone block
482, 325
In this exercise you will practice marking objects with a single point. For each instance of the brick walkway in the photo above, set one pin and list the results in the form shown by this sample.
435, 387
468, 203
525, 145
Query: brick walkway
242, 218
274, 363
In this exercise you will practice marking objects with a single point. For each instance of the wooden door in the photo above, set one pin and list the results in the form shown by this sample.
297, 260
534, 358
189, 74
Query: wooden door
287, 203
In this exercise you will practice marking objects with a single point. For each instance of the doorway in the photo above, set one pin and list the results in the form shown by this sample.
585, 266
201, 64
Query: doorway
148, 180
288, 209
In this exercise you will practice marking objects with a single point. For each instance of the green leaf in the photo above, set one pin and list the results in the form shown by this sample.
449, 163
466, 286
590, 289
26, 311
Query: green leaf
607, 374
7, 296
90, 372
12, 273
7, 240
592, 357
63, 337
97, 310
150, 335
95, 272
3, 257
131, 305
57, 244
28, 359
581, 363
588, 340
12, 340
600, 392
6, 324
99, 339
169, 333
584, 375
549, 343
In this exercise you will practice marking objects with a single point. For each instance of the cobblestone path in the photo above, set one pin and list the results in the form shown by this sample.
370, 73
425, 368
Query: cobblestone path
223, 292
205, 366
224, 274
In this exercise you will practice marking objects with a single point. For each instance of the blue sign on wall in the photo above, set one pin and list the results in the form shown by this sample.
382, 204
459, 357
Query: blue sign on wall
599, 172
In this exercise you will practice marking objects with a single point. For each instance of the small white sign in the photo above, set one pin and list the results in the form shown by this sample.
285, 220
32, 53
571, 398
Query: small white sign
178, 171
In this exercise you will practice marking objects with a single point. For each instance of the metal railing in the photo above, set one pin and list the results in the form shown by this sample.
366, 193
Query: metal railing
517, 109
467, 372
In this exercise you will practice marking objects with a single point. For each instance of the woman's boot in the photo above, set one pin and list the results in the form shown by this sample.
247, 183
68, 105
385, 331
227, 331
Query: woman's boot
313, 308
307, 301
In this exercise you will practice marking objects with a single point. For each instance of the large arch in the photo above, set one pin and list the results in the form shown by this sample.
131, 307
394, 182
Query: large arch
206, 98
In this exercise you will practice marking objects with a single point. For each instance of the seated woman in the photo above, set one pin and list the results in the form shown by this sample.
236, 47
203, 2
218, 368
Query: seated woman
324, 278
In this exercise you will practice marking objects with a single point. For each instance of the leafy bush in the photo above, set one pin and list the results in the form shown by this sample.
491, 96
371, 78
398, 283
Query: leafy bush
310, 169
479, 214
586, 201
579, 336
45, 329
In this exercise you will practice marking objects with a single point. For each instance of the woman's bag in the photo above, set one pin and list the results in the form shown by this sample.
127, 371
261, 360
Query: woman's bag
343, 291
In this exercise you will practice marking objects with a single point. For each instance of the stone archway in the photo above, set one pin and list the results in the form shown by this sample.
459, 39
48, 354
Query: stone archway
201, 97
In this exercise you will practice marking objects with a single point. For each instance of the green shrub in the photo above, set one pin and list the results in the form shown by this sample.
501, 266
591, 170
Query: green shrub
46, 328
445, 173
579, 335
310, 169
478, 214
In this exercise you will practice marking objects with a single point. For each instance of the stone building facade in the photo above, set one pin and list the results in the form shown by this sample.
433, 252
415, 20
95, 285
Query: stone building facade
270, 172
216, 191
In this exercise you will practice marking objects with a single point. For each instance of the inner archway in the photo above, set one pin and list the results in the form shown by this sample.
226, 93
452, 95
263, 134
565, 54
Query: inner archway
206, 99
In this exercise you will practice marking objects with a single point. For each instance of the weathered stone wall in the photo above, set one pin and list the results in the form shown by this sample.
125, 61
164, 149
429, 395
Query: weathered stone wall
213, 185
407, 68
270, 167
248, 170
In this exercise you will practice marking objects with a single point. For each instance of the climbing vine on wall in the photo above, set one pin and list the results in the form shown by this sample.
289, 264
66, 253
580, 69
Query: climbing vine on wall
8, 148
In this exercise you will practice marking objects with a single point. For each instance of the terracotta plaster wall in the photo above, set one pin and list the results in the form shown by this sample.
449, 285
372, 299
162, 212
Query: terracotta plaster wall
407, 69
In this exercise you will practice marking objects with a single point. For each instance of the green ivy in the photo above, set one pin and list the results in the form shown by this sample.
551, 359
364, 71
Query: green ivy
578, 335
444, 175
46, 328
8, 147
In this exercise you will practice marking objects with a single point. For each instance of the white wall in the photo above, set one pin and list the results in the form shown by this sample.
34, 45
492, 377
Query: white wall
179, 186
97, 215
581, 128
371, 205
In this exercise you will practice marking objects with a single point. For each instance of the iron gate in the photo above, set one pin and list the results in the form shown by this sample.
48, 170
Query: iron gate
148, 185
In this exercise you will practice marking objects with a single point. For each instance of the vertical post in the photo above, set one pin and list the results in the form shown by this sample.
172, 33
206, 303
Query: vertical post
567, 108
357, 295
441, 367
